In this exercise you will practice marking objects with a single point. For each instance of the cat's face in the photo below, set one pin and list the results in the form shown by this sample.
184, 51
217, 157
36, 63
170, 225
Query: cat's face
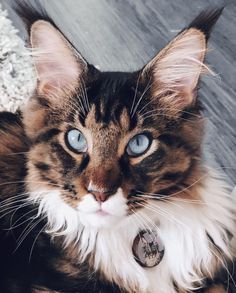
106, 144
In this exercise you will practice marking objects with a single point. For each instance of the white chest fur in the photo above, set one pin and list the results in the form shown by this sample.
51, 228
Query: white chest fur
185, 227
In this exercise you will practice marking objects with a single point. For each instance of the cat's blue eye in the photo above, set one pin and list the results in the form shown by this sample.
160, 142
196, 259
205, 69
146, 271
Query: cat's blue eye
138, 145
76, 141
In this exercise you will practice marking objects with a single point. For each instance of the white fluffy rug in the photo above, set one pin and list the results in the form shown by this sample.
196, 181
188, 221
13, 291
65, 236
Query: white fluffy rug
17, 79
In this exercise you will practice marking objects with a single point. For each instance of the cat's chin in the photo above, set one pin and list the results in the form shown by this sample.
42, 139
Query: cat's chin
100, 220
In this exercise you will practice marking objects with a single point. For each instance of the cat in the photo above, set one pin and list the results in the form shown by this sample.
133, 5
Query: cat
97, 159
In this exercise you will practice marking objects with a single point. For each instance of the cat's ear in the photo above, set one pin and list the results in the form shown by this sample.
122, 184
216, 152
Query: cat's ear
57, 65
174, 73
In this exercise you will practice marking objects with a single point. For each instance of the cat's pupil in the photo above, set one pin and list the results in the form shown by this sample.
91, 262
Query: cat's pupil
138, 141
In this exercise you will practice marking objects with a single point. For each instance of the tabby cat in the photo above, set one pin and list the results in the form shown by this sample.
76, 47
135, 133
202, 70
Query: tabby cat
97, 158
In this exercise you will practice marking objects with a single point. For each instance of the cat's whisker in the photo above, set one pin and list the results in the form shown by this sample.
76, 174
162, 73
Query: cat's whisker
85, 94
12, 182
135, 95
168, 109
144, 107
144, 222
10, 205
170, 199
23, 216
11, 209
79, 106
148, 86
159, 199
30, 181
82, 103
144, 117
163, 213
27, 231
140, 220
76, 108
18, 225
15, 225
37, 236
146, 206
186, 188
9, 199
149, 220
223, 262
187, 201
20, 153
173, 108
73, 107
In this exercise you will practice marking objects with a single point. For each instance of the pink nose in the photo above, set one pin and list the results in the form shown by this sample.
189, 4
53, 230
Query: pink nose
101, 196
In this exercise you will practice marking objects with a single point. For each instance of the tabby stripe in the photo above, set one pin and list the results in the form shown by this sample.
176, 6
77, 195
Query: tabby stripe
42, 166
66, 159
48, 135
84, 163
173, 176
172, 140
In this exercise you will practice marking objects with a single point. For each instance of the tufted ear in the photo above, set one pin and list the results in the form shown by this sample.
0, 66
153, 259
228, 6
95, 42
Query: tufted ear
174, 73
58, 67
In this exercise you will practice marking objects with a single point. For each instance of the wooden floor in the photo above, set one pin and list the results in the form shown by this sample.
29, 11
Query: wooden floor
124, 34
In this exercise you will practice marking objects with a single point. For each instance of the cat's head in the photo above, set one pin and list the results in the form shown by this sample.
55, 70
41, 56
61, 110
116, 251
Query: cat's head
104, 144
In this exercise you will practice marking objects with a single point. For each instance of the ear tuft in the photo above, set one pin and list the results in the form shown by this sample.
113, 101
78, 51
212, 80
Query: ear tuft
206, 20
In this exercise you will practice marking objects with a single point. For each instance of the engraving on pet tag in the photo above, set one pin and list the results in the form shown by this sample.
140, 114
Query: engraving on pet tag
148, 248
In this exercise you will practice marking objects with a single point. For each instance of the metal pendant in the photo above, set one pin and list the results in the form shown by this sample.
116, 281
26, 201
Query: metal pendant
148, 248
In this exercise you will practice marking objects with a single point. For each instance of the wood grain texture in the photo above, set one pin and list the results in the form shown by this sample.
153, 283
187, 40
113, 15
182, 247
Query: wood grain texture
122, 35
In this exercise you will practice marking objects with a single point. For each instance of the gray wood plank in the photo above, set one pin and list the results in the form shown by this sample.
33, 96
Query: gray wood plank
122, 35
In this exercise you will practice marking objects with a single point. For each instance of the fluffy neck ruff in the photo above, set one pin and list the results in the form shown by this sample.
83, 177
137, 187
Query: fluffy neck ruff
196, 235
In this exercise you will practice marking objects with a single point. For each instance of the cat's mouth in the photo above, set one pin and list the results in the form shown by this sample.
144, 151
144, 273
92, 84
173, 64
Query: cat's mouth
103, 214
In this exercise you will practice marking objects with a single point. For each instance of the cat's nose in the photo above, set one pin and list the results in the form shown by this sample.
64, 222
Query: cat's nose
101, 195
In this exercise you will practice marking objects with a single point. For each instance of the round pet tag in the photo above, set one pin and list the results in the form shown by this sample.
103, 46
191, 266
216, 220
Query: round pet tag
148, 248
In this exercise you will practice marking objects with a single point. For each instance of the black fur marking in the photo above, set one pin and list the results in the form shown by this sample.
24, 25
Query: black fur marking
206, 20
172, 140
43, 102
47, 136
125, 164
47, 179
157, 156
8, 118
66, 159
42, 166
71, 188
172, 176
30, 13
83, 164
111, 93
